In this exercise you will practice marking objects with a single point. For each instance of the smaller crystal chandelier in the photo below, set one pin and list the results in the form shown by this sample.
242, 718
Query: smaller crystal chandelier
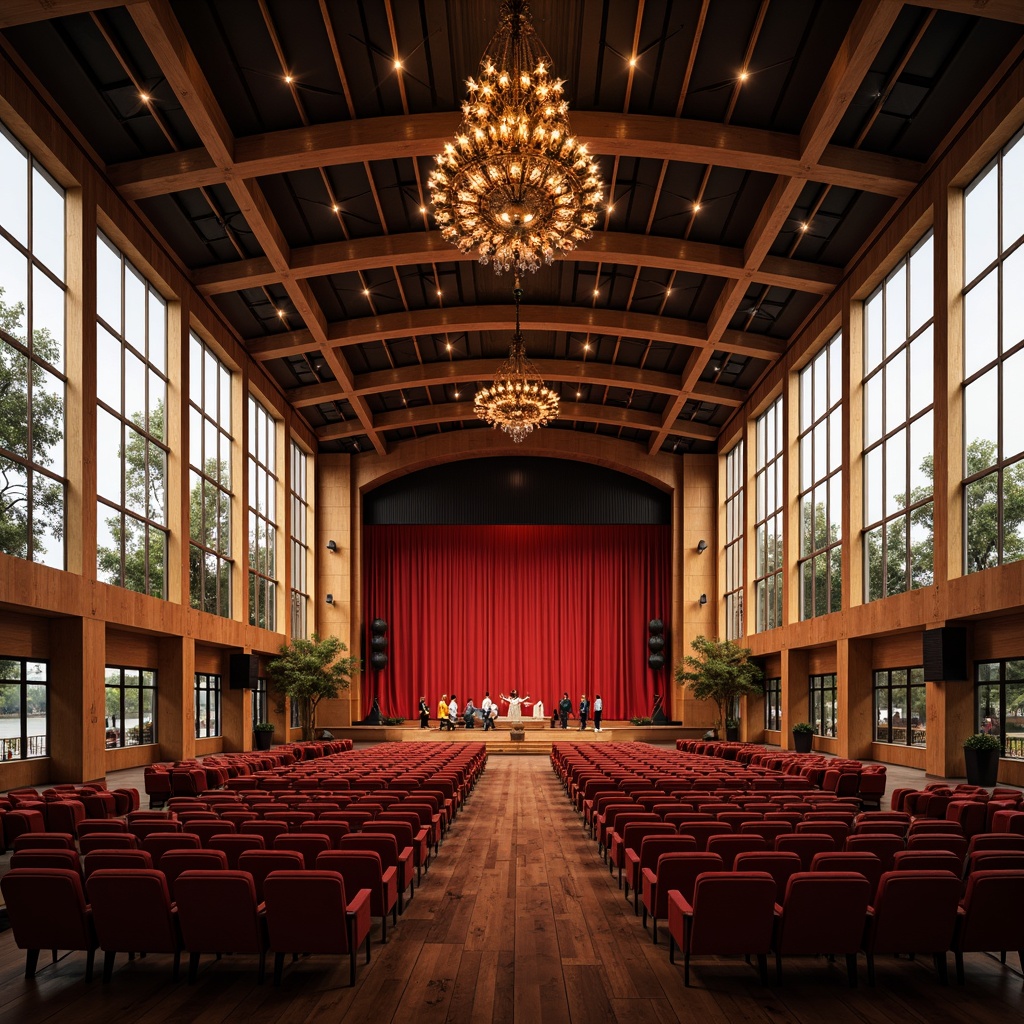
518, 400
515, 185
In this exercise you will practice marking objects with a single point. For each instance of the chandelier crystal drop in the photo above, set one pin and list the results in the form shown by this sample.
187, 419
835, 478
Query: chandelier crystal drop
518, 400
515, 185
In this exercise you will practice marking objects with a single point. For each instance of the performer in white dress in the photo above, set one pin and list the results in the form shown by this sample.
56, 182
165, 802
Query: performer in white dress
538, 709
515, 705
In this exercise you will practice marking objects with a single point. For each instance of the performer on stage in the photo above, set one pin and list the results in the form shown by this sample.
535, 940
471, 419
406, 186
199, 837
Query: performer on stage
538, 710
515, 705
584, 711
598, 708
564, 709
424, 713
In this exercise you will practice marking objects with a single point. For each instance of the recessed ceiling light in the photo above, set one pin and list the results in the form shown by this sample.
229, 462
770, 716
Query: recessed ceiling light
335, 208
696, 207
586, 346
145, 97
456, 394
448, 345
423, 209
578, 394
366, 291
744, 75
288, 78
398, 64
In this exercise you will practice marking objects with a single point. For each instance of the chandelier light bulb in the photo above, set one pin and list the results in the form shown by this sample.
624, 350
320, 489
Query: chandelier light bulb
515, 187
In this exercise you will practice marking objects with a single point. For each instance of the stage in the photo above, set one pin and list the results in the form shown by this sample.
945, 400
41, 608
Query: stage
537, 738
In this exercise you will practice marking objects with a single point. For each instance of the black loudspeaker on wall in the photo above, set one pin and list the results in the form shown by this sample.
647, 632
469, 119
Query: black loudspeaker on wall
379, 644
944, 653
656, 644
245, 669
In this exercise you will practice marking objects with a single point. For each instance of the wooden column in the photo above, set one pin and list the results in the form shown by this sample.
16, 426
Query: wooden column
795, 669
77, 700
949, 707
176, 714
854, 692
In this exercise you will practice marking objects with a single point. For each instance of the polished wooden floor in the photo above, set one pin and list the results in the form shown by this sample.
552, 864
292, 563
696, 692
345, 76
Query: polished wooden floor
518, 921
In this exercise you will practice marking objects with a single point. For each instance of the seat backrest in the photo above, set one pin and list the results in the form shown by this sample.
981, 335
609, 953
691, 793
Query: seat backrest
823, 910
47, 908
122, 860
838, 830
306, 912
702, 831
805, 845
884, 847
46, 858
217, 910
206, 830
996, 841
260, 863
334, 830
44, 841
985, 924
401, 830
733, 912
767, 830
635, 832
927, 860
729, 847
159, 843
862, 862
914, 912
147, 826
995, 860
132, 910
654, 847
174, 862
233, 846
267, 829
680, 870
309, 844
939, 841
780, 865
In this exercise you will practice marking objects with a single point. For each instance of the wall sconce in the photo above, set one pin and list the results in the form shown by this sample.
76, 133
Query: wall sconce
702, 546
330, 599
331, 546
703, 599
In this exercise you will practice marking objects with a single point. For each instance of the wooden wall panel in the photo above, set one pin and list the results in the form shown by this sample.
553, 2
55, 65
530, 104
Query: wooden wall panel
902, 650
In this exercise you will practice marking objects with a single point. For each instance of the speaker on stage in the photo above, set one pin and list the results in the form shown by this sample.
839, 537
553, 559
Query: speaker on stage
379, 644
245, 670
656, 645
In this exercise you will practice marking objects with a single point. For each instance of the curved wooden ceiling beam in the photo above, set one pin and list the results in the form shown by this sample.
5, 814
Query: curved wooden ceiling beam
634, 135
420, 322
454, 412
466, 371
363, 254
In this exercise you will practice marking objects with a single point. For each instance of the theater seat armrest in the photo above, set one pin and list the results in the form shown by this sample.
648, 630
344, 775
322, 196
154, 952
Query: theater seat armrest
650, 876
389, 874
361, 898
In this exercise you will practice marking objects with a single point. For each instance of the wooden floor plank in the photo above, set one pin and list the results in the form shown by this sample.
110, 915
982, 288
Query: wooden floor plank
517, 922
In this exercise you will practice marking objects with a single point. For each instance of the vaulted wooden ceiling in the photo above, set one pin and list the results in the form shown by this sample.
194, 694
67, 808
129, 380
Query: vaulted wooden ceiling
750, 149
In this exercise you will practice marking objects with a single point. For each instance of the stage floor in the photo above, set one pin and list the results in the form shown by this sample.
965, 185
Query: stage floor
537, 738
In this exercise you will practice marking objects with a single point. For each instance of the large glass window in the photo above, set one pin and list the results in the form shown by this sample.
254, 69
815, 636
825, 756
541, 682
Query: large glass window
993, 315
33, 485
823, 704
773, 703
898, 433
768, 516
999, 703
260, 707
298, 487
734, 481
262, 517
821, 481
131, 431
900, 706
24, 720
210, 494
130, 706
207, 693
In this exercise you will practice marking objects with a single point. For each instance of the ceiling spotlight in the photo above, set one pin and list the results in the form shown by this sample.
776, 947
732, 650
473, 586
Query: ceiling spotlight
288, 79
423, 209
280, 313
578, 393
632, 62
366, 291
398, 65
744, 75
145, 97
597, 291
456, 394
696, 207
331, 546
702, 546
586, 346
805, 226
335, 208
439, 293
448, 346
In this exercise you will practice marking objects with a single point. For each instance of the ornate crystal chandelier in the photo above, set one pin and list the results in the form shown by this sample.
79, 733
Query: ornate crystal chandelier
518, 400
515, 185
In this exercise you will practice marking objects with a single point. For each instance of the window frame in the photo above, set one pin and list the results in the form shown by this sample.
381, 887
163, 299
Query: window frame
208, 690
904, 694
735, 535
122, 687
822, 688
773, 703
1014, 751
301, 506
769, 465
23, 739
261, 462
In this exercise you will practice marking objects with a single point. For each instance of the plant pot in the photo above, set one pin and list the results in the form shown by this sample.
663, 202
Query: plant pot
732, 733
264, 740
982, 767
802, 742
518, 735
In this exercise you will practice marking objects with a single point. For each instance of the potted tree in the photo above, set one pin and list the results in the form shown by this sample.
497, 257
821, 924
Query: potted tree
803, 733
719, 671
310, 671
981, 756
264, 732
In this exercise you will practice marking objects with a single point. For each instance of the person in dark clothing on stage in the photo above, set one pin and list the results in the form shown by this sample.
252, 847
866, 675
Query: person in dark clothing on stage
424, 713
584, 711
565, 709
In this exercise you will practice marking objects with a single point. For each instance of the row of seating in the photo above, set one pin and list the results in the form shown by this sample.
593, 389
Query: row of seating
212, 912
915, 911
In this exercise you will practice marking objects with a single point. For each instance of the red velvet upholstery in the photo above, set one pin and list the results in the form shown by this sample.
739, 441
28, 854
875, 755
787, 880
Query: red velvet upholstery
403, 835
46, 858
310, 845
914, 912
234, 845
420, 835
883, 847
260, 863
970, 814
218, 913
629, 839
308, 912
386, 846
142, 828
362, 869
672, 871
864, 863
107, 841
44, 841
927, 860
21, 820
606, 812
939, 841
768, 830
730, 847
702, 831
1008, 821
64, 816
133, 913
996, 841
645, 858
805, 845
120, 860
731, 913
932, 826
781, 866
47, 910
94, 826
159, 843
984, 922
838, 830
822, 912
175, 862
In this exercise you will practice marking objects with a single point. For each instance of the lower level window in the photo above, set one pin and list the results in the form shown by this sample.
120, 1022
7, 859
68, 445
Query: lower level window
900, 706
207, 705
24, 721
259, 702
773, 703
999, 703
130, 706
823, 704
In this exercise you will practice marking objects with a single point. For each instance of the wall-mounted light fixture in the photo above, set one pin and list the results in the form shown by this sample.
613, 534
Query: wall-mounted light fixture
702, 546
330, 599
331, 546
703, 599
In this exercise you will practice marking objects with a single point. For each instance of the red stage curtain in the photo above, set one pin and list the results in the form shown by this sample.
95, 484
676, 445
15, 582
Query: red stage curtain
542, 609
